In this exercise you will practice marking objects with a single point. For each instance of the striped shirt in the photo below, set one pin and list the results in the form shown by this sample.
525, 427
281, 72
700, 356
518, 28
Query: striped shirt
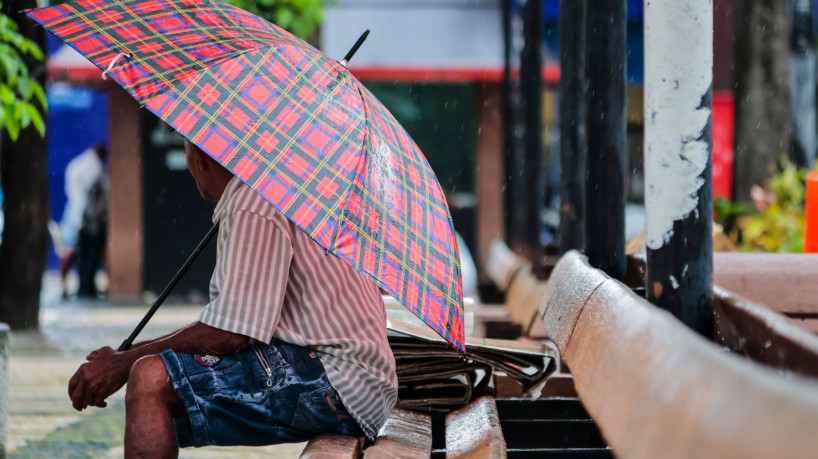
273, 281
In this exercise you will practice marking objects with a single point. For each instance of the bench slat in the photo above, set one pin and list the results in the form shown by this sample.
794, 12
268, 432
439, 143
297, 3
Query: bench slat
406, 434
333, 446
473, 432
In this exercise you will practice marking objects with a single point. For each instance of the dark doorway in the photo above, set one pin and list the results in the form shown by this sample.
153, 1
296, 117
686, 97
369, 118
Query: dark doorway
175, 215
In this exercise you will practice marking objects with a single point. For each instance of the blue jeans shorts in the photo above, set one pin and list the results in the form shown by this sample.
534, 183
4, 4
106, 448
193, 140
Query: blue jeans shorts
261, 395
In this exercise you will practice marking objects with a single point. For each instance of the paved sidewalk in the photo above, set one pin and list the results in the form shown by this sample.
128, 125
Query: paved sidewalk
42, 423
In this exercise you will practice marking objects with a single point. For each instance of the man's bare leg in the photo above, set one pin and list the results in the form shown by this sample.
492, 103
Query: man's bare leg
150, 406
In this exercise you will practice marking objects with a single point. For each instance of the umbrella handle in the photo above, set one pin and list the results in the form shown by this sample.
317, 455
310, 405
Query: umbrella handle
354, 48
158, 302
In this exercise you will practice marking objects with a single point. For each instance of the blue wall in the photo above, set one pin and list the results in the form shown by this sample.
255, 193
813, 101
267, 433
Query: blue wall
635, 39
77, 118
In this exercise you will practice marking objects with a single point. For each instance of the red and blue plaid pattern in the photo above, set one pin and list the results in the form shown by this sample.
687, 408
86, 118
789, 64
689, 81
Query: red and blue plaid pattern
291, 123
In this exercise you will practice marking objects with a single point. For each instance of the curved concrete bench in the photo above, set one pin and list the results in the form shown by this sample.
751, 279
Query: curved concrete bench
764, 335
657, 389
783, 282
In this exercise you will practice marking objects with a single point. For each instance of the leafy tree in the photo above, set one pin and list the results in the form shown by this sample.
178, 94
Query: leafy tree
23, 166
301, 17
17, 89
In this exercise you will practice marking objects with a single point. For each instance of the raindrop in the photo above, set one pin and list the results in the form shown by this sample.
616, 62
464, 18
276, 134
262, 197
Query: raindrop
673, 282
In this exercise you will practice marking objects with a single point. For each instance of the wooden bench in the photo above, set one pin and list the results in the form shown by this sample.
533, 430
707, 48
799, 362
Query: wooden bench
472, 432
333, 446
406, 434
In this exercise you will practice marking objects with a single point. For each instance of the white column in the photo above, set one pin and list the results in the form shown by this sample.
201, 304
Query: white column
678, 148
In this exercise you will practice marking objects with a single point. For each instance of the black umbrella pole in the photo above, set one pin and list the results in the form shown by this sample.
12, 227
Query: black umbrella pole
176, 278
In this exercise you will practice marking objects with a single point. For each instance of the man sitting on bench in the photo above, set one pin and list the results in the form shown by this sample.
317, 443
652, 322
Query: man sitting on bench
292, 344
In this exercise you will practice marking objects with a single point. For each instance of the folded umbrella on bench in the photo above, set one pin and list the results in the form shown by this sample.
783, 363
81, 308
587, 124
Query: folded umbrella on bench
433, 375
436, 393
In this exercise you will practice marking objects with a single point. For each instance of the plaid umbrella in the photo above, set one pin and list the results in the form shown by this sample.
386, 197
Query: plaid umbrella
294, 125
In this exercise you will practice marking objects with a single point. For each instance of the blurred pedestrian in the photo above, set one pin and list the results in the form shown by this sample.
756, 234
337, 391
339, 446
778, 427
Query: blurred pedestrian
85, 219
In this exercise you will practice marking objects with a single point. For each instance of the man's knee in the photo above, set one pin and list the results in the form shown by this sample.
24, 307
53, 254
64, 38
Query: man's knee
148, 378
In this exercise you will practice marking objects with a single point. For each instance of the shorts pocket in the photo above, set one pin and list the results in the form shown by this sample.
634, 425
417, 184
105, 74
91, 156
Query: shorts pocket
241, 382
337, 406
316, 411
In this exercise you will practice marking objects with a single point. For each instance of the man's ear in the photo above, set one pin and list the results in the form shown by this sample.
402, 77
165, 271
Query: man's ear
202, 161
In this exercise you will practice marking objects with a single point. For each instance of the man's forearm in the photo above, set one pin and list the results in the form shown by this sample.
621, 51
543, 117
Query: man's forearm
106, 370
142, 343
197, 338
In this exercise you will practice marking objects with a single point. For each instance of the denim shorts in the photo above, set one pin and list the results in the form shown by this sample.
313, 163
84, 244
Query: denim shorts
261, 395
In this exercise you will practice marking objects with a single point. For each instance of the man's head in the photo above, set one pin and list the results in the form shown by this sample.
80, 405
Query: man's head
210, 176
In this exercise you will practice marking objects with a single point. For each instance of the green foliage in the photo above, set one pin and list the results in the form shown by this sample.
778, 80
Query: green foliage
301, 17
775, 221
19, 92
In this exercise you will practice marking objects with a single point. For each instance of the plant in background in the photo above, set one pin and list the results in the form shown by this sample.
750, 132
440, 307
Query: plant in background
774, 222
301, 17
18, 90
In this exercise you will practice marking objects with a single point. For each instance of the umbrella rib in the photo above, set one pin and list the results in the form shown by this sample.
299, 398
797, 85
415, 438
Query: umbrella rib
424, 280
425, 198
361, 162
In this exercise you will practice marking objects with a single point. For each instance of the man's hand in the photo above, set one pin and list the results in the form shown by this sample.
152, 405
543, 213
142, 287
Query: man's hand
105, 373
107, 370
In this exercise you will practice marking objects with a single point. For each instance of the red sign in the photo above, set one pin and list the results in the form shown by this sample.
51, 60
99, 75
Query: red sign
723, 135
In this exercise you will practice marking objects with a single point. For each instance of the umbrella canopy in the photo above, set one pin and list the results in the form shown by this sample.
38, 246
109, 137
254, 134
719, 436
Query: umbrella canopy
294, 125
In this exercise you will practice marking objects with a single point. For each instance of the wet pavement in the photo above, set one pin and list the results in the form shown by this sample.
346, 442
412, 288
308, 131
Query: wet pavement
42, 423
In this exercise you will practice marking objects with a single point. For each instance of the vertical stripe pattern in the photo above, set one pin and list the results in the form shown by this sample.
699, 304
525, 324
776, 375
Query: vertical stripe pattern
273, 281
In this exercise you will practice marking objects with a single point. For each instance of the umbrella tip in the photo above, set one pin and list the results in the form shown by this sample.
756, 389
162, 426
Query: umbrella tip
354, 48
